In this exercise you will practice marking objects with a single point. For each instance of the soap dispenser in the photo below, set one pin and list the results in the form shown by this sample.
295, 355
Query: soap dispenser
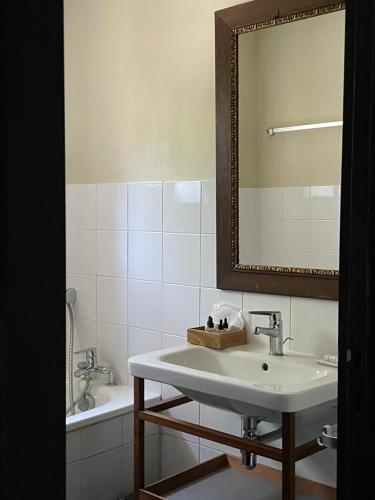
210, 325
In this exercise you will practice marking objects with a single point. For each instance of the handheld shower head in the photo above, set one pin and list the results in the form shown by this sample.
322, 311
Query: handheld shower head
70, 296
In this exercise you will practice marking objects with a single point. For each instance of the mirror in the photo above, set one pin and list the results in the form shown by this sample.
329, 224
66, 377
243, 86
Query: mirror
290, 100
279, 126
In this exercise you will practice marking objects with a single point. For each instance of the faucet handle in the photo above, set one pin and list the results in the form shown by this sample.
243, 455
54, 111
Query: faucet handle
88, 349
90, 355
275, 316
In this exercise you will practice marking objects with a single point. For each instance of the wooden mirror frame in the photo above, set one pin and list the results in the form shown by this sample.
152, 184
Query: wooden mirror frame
231, 275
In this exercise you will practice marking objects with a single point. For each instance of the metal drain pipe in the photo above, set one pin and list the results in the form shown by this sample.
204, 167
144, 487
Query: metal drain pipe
249, 431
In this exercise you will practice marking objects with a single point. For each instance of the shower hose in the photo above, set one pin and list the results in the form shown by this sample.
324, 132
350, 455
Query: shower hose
70, 361
73, 403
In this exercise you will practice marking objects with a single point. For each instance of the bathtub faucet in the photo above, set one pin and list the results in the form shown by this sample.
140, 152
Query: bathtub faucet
89, 366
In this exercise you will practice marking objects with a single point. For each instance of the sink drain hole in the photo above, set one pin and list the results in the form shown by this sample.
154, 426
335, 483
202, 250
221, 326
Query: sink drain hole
265, 367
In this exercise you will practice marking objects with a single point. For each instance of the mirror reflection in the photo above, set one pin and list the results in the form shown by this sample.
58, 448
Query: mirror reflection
290, 102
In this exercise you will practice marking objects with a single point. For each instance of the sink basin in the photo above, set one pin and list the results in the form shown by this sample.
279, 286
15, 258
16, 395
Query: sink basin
240, 379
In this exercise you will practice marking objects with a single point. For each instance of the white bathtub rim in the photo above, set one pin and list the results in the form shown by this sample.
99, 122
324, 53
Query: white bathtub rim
121, 402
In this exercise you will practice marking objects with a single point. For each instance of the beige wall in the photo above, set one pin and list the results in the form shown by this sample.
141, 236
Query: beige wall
248, 121
139, 86
298, 71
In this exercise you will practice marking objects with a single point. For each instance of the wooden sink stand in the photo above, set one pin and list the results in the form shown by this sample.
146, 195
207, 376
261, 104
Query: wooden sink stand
288, 455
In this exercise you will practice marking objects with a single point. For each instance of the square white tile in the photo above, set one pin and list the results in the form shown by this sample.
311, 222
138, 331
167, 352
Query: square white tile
271, 203
177, 455
80, 205
249, 234
73, 481
122, 377
145, 206
325, 236
181, 207
112, 253
324, 261
314, 325
270, 258
249, 203
142, 341
325, 202
127, 469
249, 224
111, 300
73, 445
208, 260
101, 475
181, 259
208, 215
297, 235
85, 284
297, 259
249, 257
112, 206
172, 340
145, 255
271, 235
180, 308
296, 202
144, 304
81, 251
152, 458
320, 468
85, 335
112, 347
101, 437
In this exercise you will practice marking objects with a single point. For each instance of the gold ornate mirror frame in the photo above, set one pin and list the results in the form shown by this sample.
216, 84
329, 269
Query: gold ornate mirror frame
230, 23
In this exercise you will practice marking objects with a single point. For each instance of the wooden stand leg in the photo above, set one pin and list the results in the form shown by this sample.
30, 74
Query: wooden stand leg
139, 436
288, 435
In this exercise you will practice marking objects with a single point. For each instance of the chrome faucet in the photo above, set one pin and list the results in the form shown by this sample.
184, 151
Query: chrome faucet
274, 331
89, 366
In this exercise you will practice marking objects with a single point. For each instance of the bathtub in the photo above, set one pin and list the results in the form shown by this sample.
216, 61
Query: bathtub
99, 446
110, 401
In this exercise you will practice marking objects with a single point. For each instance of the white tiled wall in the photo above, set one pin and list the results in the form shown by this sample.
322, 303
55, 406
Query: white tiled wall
97, 249
290, 226
142, 257
99, 459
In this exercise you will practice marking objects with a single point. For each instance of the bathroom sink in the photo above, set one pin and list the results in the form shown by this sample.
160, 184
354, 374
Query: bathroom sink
240, 379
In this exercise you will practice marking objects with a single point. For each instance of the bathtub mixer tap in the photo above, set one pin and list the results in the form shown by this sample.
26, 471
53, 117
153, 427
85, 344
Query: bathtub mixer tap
89, 366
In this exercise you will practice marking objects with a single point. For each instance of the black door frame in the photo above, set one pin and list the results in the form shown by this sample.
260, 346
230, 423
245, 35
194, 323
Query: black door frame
32, 237
356, 477
33, 263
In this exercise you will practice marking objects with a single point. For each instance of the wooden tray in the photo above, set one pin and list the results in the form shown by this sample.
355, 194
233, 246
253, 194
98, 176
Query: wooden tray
199, 336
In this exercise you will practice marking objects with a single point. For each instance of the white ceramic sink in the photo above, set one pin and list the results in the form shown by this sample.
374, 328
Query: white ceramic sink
240, 379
